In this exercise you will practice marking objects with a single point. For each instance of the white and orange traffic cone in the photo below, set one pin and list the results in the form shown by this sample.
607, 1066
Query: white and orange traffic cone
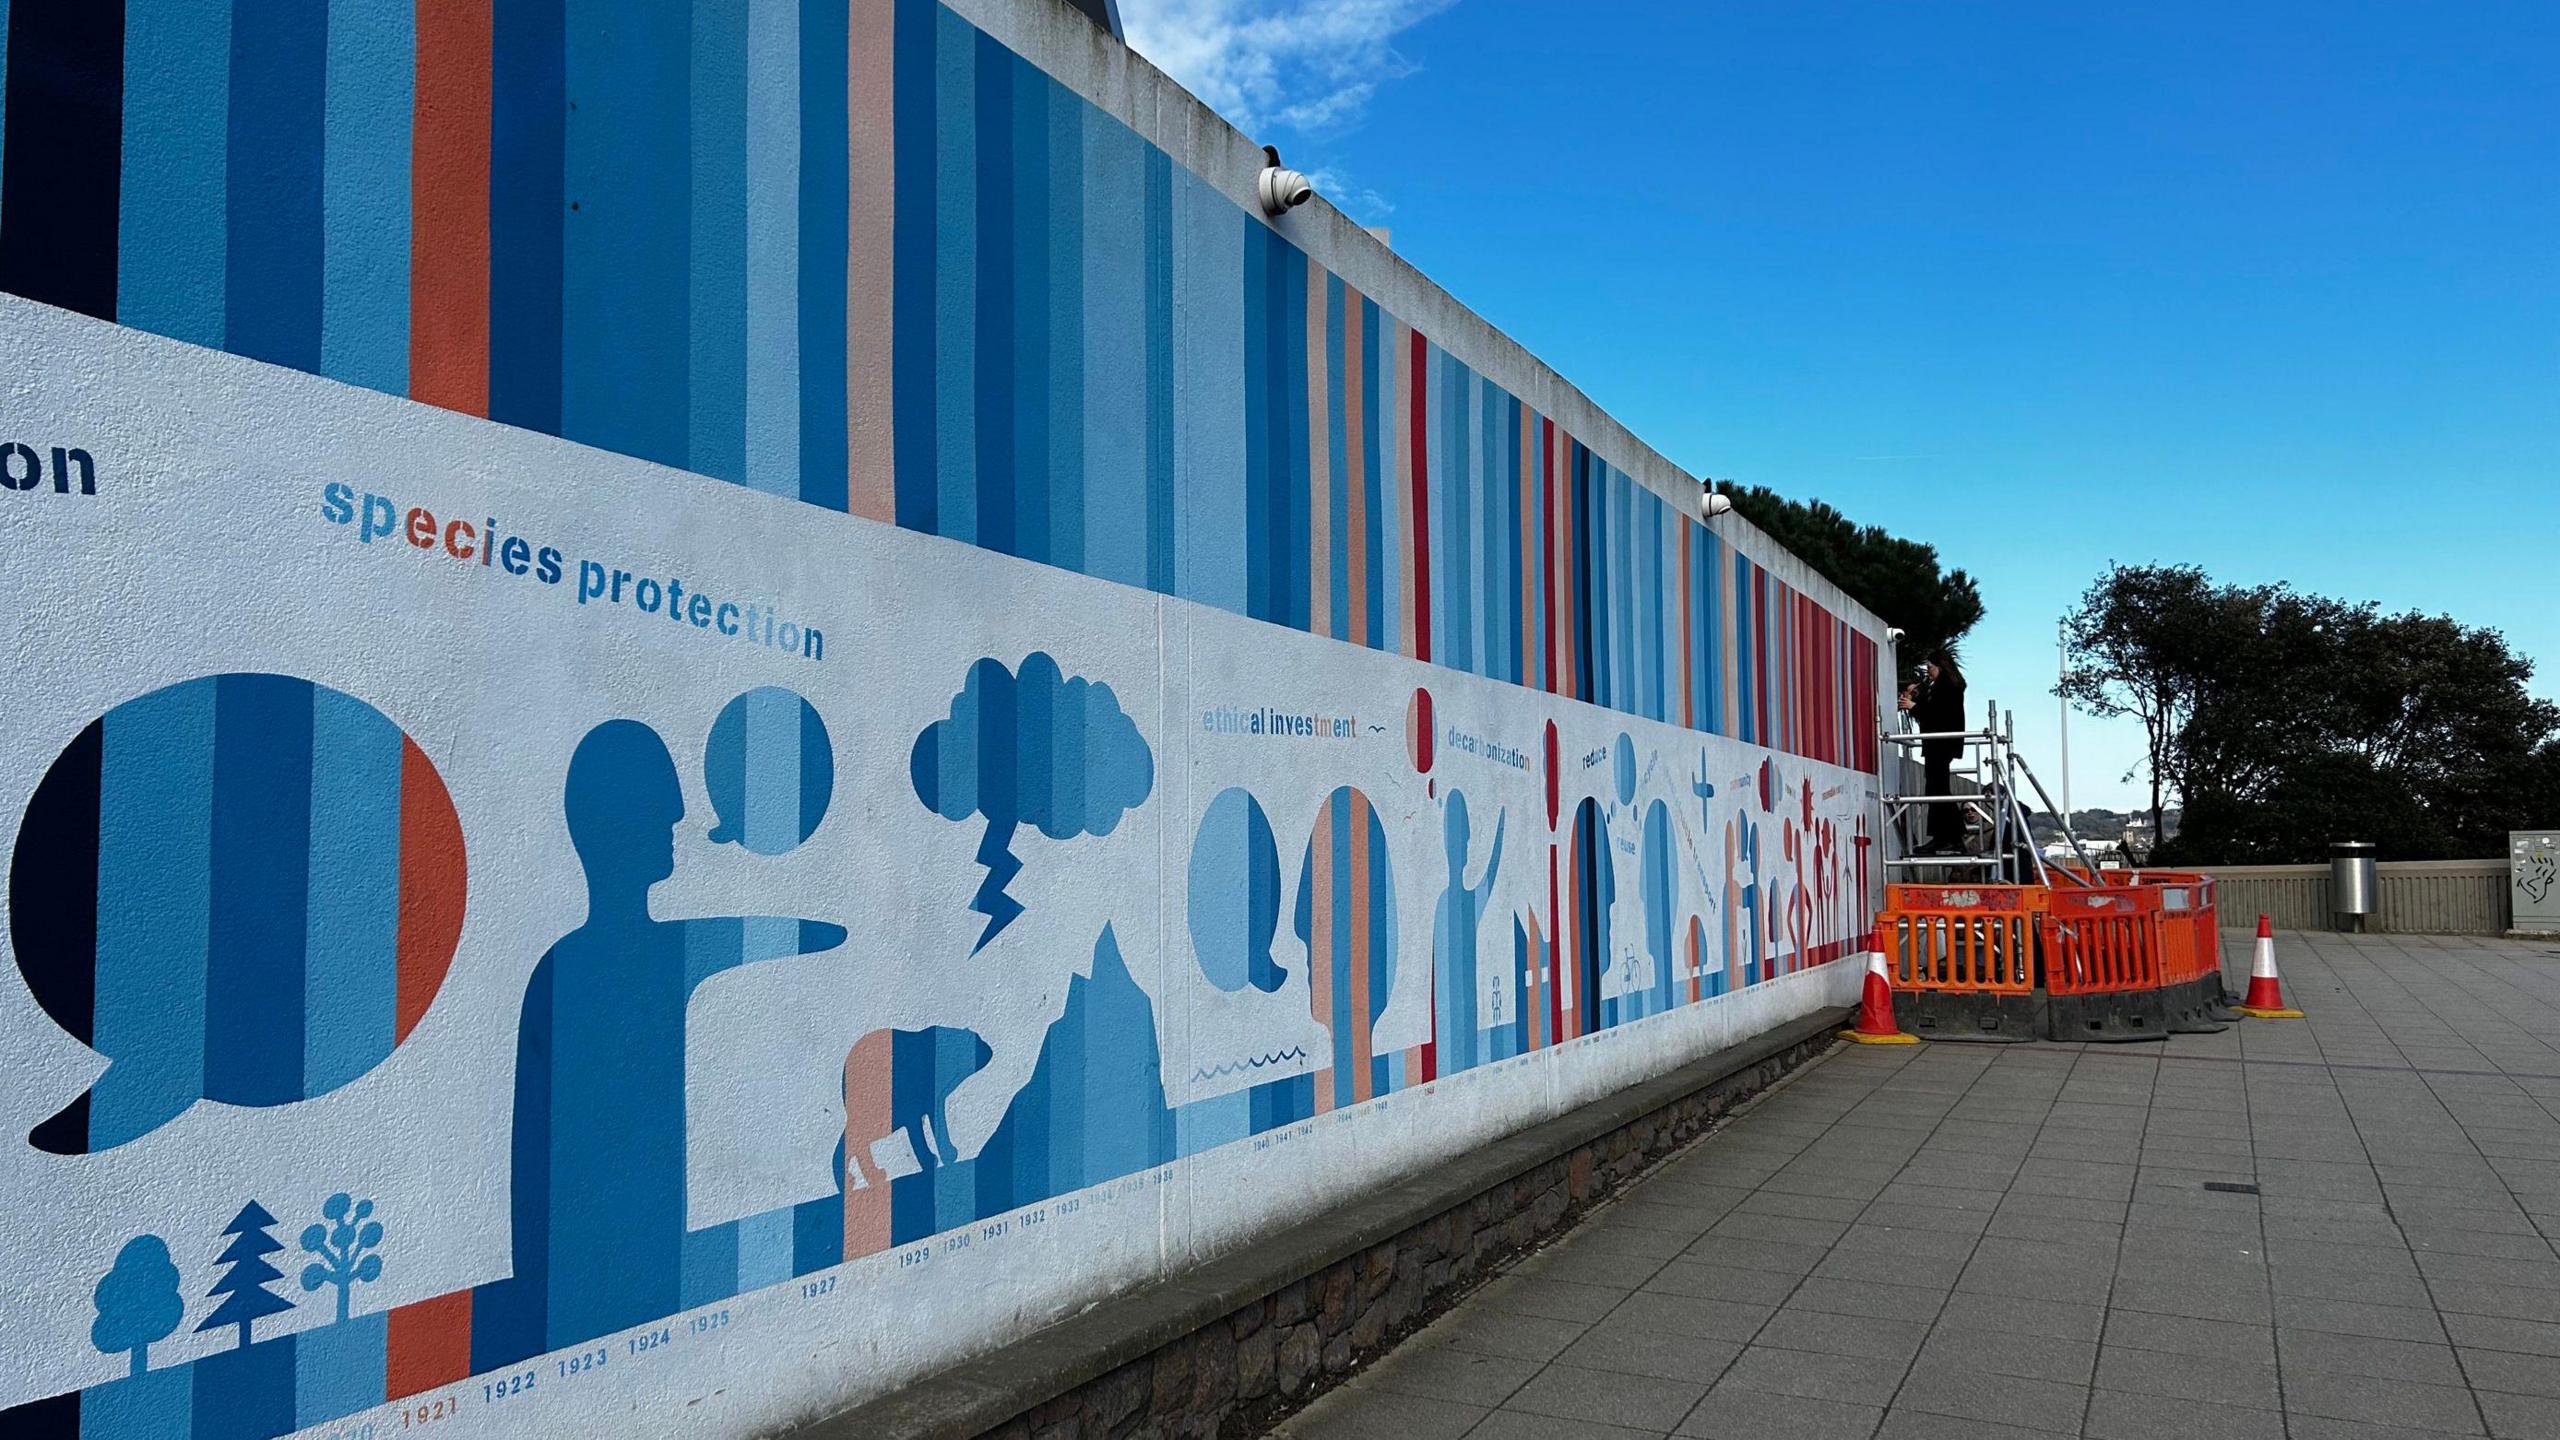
1875, 1009
2266, 993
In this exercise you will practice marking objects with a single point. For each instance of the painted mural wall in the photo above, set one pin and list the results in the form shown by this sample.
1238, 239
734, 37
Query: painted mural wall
803, 816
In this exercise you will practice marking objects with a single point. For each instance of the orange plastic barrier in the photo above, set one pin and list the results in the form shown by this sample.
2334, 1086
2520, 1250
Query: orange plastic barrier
1959, 937
2118, 955
2104, 938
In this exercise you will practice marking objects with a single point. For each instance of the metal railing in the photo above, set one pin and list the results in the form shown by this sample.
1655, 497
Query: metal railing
2415, 897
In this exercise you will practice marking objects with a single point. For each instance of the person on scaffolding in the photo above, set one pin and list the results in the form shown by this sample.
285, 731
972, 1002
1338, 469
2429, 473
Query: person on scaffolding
1937, 708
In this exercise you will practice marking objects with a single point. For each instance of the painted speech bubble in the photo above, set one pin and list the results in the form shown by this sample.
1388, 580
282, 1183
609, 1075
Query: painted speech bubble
244, 888
770, 769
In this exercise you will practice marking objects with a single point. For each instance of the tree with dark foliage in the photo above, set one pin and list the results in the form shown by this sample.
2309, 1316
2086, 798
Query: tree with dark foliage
1898, 579
2285, 721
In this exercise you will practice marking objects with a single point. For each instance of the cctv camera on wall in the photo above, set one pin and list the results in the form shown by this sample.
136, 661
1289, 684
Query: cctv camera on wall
1281, 190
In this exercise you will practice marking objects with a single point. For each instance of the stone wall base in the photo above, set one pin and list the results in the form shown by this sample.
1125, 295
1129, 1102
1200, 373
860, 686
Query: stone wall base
1232, 1348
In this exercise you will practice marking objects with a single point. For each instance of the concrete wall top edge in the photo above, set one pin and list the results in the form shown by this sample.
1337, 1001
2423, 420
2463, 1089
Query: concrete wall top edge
1128, 87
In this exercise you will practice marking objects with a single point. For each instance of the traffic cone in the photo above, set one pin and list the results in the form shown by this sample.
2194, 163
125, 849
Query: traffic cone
1875, 1009
2266, 994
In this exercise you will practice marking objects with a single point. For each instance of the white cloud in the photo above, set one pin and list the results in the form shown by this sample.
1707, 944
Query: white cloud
1306, 65
1351, 197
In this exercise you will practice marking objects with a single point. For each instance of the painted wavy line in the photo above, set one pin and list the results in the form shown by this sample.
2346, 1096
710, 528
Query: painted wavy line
1250, 1062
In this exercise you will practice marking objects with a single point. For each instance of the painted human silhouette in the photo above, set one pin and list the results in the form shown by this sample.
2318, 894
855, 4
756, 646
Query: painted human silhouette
1234, 906
1346, 917
1455, 925
598, 1207
1588, 932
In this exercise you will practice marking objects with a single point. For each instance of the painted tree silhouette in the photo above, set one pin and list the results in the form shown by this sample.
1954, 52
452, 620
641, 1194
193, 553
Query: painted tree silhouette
138, 1302
341, 1245
245, 1298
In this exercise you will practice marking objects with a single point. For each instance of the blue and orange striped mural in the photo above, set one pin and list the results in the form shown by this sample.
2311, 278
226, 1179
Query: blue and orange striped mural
859, 253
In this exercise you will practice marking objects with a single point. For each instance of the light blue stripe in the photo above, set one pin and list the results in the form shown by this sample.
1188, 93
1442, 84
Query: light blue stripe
773, 246
718, 366
1488, 527
1622, 545
1640, 598
1115, 359
352, 920
1208, 394
1501, 548
338, 1369
1336, 558
1208, 1124
956, 273
773, 771
172, 242
1497, 504
155, 885
1393, 487
1068, 120
371, 100
764, 1250
1435, 455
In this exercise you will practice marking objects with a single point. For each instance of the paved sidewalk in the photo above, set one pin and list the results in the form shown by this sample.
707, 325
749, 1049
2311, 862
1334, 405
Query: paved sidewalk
2004, 1242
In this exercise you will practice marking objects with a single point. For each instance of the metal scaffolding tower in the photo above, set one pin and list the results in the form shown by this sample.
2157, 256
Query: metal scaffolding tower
2001, 848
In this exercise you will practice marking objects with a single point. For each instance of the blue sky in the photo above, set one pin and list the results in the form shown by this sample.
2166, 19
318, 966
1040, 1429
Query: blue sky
2269, 288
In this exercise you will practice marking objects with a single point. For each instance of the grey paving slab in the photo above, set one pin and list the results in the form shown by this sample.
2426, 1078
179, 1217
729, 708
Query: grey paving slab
1641, 1402
2012, 1242
1733, 1412
1442, 1372
1996, 1399
2117, 1416
1358, 1412
1500, 1332
1637, 1349
1858, 1379
2158, 1372
1515, 1425
1695, 1316
2030, 1357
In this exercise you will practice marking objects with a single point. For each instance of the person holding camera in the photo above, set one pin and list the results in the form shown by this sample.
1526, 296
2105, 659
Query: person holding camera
1936, 706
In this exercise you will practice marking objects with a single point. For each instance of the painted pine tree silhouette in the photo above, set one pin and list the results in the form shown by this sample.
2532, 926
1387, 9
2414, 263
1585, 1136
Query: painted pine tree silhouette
243, 1286
342, 1244
137, 1301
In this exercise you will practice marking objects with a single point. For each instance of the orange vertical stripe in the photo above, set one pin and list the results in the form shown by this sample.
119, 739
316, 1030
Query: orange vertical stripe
432, 884
871, 490
1320, 476
1355, 452
429, 1345
449, 208
867, 1071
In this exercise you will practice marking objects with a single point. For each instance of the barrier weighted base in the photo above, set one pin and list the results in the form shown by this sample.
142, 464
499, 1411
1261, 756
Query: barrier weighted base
2107, 1017
1996, 1018
2191, 1006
